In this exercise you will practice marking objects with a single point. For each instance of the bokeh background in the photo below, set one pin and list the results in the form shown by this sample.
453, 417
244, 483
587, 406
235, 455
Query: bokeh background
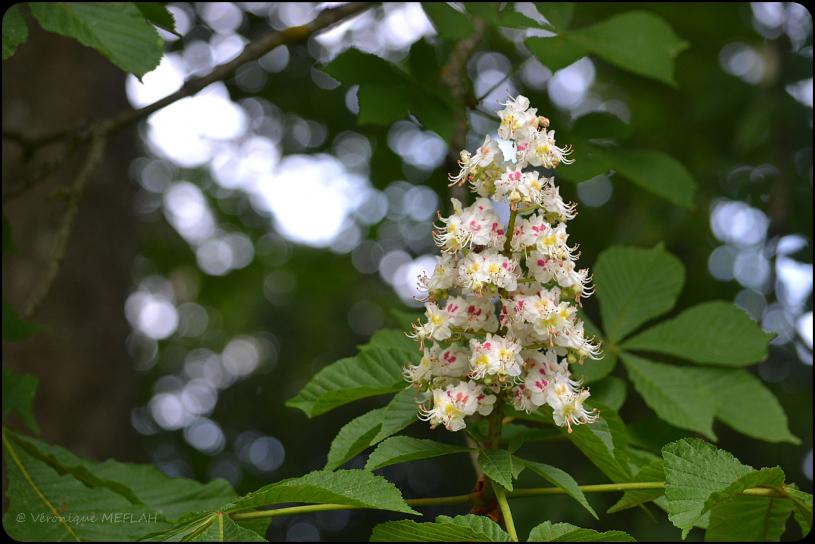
241, 239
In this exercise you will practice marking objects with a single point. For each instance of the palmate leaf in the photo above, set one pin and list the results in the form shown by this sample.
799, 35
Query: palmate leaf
399, 413
48, 505
15, 33
373, 427
351, 487
498, 466
221, 528
636, 41
748, 519
468, 528
653, 171
400, 449
652, 472
118, 31
561, 479
375, 370
566, 532
604, 443
138, 483
450, 23
700, 478
635, 285
559, 14
671, 392
355, 437
744, 403
715, 332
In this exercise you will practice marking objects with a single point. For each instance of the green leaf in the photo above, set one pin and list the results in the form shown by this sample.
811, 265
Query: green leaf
376, 370
354, 67
423, 61
587, 163
400, 449
116, 30
481, 525
497, 465
15, 33
653, 433
556, 52
652, 472
635, 285
469, 528
600, 124
45, 505
382, 103
18, 396
654, 171
171, 498
803, 508
744, 403
694, 471
354, 437
434, 113
748, 519
515, 435
559, 14
636, 41
483, 10
515, 19
157, 13
221, 528
604, 443
670, 392
399, 413
561, 479
715, 332
352, 487
610, 391
450, 23
566, 532
15, 328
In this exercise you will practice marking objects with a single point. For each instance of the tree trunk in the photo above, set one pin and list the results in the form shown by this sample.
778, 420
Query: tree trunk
86, 381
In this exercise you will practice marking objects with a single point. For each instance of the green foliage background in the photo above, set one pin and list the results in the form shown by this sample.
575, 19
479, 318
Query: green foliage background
719, 128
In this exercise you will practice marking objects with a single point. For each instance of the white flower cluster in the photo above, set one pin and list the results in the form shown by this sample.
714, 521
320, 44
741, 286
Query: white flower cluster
502, 302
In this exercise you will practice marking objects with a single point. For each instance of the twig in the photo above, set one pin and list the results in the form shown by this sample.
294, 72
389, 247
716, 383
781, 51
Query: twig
94, 157
41, 173
474, 497
252, 51
98, 131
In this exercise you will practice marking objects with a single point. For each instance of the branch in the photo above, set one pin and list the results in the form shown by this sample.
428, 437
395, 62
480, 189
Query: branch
94, 157
97, 131
474, 497
252, 51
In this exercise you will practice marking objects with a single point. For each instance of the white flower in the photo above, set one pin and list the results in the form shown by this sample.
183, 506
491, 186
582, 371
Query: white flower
452, 404
495, 356
443, 275
477, 270
543, 151
571, 412
472, 354
473, 314
472, 166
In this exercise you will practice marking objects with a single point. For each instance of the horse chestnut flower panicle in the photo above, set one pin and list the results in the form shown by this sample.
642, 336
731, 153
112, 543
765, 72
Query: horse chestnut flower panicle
501, 306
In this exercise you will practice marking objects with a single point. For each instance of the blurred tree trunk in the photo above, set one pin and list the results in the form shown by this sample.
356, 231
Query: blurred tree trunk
86, 380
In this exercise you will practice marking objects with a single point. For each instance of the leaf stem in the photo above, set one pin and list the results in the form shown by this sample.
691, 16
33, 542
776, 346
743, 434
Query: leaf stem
472, 497
500, 494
